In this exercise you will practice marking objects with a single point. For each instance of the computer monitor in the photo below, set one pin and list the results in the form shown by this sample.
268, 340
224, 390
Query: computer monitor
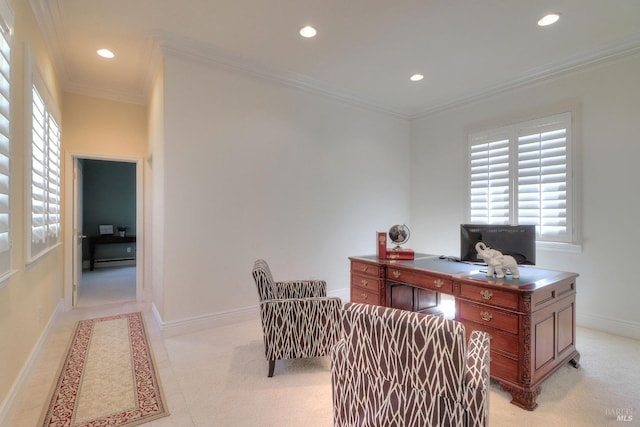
519, 241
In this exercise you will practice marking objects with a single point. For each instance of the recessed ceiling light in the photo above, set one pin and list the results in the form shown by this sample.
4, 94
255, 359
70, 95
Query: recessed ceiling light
105, 53
416, 77
308, 31
549, 19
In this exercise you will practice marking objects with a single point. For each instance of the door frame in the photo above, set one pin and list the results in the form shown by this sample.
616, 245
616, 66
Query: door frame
71, 158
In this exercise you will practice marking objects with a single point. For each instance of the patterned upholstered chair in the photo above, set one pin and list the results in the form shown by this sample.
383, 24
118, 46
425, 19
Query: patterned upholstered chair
398, 368
298, 319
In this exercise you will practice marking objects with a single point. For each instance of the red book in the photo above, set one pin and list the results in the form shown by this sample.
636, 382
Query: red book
382, 244
402, 254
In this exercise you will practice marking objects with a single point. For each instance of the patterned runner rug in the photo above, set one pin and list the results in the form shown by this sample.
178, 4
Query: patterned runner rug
108, 376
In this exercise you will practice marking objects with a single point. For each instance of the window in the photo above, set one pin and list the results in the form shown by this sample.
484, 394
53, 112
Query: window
522, 174
44, 221
5, 149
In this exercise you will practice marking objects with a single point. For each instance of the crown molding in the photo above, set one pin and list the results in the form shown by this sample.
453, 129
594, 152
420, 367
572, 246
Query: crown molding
209, 55
212, 56
48, 14
546, 72
89, 89
150, 59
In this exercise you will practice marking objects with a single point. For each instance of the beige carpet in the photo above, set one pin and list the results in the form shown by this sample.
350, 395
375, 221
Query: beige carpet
108, 376
107, 285
223, 377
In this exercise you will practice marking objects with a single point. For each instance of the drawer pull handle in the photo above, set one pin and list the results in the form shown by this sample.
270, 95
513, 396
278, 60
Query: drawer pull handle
364, 282
486, 316
365, 296
438, 283
396, 273
486, 294
365, 267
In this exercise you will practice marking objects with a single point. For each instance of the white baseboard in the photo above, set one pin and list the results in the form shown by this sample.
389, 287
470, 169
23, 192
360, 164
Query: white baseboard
7, 407
109, 263
198, 323
612, 326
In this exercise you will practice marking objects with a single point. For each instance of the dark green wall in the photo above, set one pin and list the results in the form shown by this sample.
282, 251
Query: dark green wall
109, 198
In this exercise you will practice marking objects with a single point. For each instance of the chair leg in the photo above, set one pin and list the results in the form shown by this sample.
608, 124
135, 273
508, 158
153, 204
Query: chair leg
272, 365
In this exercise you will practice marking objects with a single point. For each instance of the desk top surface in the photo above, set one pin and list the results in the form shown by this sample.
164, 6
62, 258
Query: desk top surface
530, 277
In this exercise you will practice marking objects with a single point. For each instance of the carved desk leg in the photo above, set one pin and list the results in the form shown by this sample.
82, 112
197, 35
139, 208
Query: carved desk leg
526, 399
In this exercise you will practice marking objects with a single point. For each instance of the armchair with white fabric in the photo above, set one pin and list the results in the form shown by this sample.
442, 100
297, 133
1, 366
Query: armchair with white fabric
399, 368
298, 319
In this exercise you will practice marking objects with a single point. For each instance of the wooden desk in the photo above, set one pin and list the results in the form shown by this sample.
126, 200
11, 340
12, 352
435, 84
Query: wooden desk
105, 240
531, 320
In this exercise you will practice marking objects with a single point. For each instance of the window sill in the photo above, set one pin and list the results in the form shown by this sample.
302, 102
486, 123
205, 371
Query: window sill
33, 259
571, 248
4, 279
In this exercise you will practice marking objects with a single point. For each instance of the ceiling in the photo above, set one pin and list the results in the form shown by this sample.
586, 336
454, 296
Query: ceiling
364, 53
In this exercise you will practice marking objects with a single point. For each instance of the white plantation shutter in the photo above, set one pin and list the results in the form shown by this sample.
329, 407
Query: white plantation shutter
38, 171
53, 178
490, 184
521, 174
45, 177
5, 152
543, 178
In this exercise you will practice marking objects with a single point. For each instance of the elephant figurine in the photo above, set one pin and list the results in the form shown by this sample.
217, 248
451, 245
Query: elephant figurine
497, 262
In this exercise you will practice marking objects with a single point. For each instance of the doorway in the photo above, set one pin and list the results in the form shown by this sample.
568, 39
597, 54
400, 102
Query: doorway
105, 231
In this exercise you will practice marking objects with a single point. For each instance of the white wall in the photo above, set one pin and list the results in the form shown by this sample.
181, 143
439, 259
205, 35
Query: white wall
607, 98
154, 194
256, 169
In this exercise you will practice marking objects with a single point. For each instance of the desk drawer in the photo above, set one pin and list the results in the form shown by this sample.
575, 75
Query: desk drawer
503, 367
490, 296
500, 340
551, 294
488, 316
363, 295
366, 282
366, 269
419, 279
